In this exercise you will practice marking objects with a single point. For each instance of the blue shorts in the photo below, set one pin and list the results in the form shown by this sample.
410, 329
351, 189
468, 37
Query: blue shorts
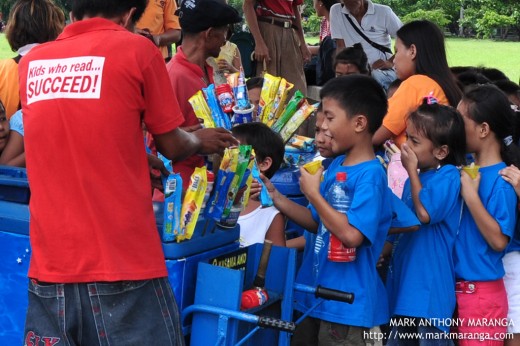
103, 313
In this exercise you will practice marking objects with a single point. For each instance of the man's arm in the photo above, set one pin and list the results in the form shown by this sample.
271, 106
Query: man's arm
168, 37
178, 144
306, 54
261, 51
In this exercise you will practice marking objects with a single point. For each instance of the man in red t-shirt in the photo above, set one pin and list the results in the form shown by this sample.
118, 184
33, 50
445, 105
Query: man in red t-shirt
97, 270
204, 26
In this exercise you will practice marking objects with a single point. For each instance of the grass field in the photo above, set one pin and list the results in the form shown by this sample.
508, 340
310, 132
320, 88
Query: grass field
461, 52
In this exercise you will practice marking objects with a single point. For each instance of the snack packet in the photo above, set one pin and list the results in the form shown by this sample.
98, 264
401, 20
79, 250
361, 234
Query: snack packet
267, 96
313, 166
291, 108
279, 100
241, 95
172, 207
201, 109
296, 120
243, 161
265, 198
225, 174
301, 142
220, 118
248, 177
193, 203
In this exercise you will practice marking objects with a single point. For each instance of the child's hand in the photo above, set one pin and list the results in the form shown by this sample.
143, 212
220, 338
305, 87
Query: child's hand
310, 183
256, 188
409, 158
469, 187
511, 174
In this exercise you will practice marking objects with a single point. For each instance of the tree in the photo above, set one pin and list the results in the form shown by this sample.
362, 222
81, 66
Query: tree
436, 16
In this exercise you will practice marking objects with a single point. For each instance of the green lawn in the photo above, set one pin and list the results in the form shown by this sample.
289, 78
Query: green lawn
461, 52
471, 52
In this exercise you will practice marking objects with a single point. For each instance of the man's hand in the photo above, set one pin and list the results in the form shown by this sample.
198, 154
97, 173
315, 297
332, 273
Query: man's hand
306, 53
262, 52
214, 141
382, 65
192, 128
157, 168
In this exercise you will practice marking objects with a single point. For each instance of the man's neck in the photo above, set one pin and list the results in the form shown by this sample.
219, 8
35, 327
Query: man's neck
360, 11
194, 54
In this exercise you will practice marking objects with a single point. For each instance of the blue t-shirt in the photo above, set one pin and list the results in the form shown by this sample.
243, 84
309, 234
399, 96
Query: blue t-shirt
421, 276
474, 259
370, 212
16, 122
515, 242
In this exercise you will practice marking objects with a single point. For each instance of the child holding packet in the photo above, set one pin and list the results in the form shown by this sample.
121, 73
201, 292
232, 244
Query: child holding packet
257, 223
489, 215
354, 107
435, 145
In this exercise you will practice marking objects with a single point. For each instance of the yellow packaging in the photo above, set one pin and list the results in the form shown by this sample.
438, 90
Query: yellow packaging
267, 96
245, 197
201, 109
312, 167
192, 203
472, 170
296, 120
279, 102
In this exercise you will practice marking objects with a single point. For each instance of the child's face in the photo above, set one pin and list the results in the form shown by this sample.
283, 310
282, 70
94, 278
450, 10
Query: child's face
254, 99
340, 126
322, 137
470, 127
346, 69
421, 146
4, 130
404, 60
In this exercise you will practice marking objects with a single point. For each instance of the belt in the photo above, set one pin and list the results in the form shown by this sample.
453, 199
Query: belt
465, 287
286, 24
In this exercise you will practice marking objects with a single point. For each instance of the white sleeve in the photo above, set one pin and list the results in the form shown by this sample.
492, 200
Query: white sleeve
336, 21
393, 23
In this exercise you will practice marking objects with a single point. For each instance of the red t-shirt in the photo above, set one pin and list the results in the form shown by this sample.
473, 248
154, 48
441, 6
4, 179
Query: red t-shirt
84, 97
277, 8
186, 79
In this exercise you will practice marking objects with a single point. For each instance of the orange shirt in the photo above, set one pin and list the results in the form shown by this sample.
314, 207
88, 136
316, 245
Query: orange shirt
407, 99
158, 17
9, 89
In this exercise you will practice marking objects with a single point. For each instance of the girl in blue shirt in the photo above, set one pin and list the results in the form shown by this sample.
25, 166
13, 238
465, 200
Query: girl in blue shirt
422, 275
488, 218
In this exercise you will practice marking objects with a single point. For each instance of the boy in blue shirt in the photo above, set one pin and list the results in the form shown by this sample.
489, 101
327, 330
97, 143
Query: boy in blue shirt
354, 107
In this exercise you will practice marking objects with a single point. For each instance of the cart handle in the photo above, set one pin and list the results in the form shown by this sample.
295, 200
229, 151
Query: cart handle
261, 321
326, 293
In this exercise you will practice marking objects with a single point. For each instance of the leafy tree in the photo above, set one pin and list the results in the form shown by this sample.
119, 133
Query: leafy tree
436, 16
491, 22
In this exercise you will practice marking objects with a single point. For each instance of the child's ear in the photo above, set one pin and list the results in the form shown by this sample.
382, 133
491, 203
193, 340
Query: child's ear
360, 123
265, 164
441, 152
484, 130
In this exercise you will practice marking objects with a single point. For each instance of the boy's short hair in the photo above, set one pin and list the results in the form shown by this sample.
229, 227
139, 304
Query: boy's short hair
255, 82
107, 8
358, 94
265, 142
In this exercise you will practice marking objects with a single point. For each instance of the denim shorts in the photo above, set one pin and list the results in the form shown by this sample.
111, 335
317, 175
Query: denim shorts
103, 313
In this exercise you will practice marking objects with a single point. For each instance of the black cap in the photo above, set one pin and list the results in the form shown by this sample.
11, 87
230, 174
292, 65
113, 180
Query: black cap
199, 15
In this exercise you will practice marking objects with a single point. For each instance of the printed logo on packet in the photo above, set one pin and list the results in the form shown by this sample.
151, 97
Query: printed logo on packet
72, 78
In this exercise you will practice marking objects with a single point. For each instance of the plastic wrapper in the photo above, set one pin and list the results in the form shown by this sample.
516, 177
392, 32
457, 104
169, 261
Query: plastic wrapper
302, 142
241, 95
313, 166
279, 101
225, 174
296, 120
291, 108
243, 160
267, 96
265, 198
248, 177
220, 118
172, 207
201, 109
192, 203
232, 80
